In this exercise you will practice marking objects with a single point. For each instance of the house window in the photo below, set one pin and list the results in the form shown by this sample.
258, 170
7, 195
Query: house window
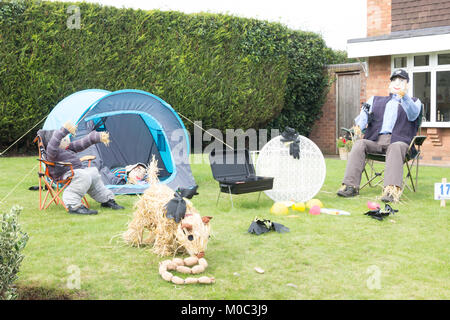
430, 82
443, 96
444, 58
420, 61
422, 90
400, 62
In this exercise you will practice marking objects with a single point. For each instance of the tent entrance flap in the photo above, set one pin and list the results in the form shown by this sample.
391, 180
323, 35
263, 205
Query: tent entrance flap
133, 141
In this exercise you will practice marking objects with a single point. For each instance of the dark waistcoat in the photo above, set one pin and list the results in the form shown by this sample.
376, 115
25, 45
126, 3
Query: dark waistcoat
404, 130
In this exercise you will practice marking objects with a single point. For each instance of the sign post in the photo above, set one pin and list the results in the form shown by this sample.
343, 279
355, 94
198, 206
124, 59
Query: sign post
442, 191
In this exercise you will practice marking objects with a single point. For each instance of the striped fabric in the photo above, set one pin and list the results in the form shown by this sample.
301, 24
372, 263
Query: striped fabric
120, 173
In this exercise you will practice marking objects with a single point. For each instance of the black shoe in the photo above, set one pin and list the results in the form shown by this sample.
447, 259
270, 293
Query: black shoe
348, 191
111, 203
82, 210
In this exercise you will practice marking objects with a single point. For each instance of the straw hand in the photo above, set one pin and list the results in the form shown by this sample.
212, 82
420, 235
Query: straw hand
70, 127
104, 138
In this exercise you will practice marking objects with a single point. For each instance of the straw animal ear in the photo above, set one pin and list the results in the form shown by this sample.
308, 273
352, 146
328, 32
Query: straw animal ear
186, 226
206, 219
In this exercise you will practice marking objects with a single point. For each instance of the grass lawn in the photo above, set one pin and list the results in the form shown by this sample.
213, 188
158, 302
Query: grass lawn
322, 257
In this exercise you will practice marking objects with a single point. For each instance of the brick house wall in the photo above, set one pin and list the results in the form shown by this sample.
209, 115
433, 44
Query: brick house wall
436, 148
378, 17
323, 133
419, 14
378, 23
379, 74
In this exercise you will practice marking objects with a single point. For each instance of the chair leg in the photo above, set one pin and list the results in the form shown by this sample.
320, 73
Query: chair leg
56, 197
49, 192
84, 200
409, 176
373, 175
367, 177
417, 172
40, 193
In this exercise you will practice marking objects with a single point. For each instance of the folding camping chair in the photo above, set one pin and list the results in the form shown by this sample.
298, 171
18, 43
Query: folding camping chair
374, 176
53, 187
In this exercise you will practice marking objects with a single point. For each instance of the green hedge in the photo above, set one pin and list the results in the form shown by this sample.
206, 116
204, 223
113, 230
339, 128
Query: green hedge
226, 71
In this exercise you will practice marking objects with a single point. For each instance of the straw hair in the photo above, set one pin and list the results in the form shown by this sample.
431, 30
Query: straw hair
150, 226
152, 172
393, 191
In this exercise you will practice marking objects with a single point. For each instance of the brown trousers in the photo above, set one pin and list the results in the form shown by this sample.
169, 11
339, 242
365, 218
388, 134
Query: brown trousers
395, 156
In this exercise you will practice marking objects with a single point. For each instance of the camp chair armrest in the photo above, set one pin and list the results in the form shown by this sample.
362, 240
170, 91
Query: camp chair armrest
417, 140
87, 158
55, 163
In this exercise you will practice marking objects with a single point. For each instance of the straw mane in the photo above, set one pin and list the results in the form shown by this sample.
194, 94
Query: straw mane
150, 226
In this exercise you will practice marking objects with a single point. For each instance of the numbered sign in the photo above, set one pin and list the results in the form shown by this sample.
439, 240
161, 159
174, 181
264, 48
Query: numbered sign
442, 191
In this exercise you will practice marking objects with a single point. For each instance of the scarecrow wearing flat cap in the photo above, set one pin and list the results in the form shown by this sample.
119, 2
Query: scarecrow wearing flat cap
389, 124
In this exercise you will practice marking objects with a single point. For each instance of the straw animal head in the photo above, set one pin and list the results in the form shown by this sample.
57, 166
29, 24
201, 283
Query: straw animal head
193, 232
167, 237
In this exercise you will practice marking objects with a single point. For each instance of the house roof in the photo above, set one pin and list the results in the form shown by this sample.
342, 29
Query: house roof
401, 42
405, 34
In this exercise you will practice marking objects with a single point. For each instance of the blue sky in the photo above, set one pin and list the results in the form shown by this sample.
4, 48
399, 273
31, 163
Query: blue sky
336, 20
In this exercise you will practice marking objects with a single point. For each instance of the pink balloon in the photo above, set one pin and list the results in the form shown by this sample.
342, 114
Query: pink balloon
315, 210
373, 205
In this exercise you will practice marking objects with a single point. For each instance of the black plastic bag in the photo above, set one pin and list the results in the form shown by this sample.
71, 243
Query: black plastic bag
260, 226
379, 214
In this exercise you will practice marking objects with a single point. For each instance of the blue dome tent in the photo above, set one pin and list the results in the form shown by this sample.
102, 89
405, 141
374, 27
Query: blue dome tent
141, 125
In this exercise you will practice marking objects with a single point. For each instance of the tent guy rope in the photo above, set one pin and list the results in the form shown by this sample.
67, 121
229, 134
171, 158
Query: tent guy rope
1, 154
224, 143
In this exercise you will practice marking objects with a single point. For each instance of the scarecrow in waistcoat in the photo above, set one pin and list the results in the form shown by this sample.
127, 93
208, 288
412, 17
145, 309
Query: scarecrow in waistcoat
389, 124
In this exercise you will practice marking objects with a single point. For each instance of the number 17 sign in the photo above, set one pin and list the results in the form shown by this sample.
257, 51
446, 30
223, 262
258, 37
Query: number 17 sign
442, 191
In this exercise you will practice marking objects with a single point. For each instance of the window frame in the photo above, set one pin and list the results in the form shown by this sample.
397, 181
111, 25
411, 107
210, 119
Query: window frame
433, 67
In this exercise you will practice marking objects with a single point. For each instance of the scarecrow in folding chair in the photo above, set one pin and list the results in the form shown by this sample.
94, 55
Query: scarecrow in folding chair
390, 124
63, 172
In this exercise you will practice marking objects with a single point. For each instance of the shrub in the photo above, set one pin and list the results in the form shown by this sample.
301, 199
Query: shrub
307, 83
12, 241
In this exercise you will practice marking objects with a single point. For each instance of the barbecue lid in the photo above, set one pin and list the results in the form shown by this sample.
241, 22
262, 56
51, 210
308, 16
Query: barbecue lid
231, 164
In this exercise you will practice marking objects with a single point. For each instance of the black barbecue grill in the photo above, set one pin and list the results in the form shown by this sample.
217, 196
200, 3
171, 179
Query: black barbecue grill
234, 171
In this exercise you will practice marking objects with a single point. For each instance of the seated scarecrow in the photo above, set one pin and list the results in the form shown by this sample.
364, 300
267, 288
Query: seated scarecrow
85, 180
389, 125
